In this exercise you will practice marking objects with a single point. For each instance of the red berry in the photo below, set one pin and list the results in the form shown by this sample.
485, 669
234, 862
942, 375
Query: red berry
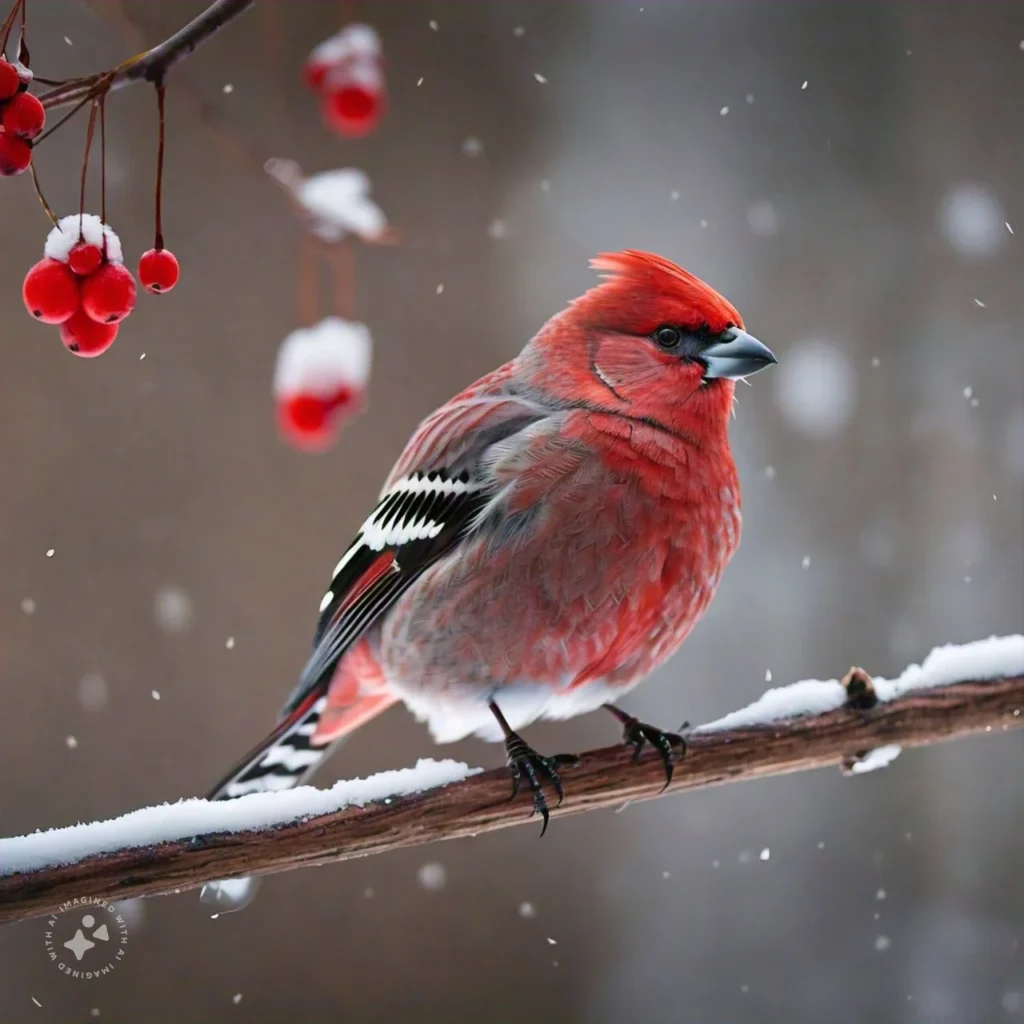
10, 81
85, 337
84, 258
158, 271
306, 421
352, 110
24, 116
50, 292
108, 294
15, 154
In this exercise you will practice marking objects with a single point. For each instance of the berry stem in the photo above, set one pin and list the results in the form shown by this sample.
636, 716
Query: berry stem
23, 55
103, 164
19, 5
343, 266
39, 195
85, 165
64, 120
308, 281
160, 96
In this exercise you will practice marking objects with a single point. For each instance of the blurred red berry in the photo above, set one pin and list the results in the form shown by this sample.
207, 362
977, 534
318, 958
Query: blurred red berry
158, 271
309, 421
15, 154
10, 81
352, 110
108, 294
24, 116
50, 292
84, 258
85, 337
305, 421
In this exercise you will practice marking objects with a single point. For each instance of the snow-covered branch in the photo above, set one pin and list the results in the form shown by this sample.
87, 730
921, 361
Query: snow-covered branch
858, 723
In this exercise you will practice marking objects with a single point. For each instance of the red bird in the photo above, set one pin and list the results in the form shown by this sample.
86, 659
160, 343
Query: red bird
547, 538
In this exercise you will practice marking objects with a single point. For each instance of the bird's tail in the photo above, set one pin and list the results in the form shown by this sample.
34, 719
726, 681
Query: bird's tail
299, 744
285, 758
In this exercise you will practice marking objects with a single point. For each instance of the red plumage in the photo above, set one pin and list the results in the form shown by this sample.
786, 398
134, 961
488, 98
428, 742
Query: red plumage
553, 532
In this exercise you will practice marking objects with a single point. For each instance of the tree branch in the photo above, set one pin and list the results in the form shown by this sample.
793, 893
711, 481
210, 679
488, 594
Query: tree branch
153, 65
857, 720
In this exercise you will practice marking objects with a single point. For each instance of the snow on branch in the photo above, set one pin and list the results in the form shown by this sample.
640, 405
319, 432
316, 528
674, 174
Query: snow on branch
860, 723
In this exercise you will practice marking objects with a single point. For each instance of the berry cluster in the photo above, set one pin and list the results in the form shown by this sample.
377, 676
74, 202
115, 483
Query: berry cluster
22, 118
82, 284
320, 381
345, 72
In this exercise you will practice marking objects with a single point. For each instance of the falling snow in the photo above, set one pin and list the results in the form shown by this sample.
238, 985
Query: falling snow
92, 691
173, 609
432, 876
816, 388
972, 219
762, 218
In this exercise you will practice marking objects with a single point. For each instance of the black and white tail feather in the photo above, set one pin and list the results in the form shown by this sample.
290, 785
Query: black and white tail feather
418, 520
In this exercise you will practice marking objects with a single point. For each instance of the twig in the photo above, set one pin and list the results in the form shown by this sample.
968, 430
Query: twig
153, 65
605, 778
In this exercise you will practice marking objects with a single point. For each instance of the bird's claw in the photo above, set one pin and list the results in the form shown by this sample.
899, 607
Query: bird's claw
637, 734
524, 762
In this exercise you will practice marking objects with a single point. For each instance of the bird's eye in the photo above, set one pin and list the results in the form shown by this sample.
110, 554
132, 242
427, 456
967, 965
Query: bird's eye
668, 337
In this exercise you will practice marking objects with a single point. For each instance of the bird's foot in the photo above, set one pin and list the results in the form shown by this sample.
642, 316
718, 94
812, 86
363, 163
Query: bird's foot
524, 762
638, 734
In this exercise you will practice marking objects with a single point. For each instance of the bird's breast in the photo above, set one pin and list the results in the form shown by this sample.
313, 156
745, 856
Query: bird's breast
602, 579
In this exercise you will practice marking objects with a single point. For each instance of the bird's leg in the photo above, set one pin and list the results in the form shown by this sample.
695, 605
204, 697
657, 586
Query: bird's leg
524, 761
637, 733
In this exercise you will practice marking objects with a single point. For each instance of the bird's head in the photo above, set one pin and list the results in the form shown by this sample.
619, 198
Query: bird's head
651, 341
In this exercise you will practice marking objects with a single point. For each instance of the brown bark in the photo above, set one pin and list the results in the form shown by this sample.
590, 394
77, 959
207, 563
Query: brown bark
605, 778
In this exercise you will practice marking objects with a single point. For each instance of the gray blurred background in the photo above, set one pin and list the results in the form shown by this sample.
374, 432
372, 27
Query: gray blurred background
845, 173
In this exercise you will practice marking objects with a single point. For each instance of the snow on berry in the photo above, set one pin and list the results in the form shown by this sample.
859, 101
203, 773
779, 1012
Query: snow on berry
24, 116
346, 71
108, 294
50, 292
25, 74
353, 41
86, 338
320, 379
10, 81
84, 258
15, 154
87, 227
158, 271
337, 203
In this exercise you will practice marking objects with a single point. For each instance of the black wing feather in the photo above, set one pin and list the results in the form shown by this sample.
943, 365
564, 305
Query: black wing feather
416, 507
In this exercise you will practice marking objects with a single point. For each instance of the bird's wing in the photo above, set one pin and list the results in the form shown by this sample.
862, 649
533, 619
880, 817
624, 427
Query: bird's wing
432, 499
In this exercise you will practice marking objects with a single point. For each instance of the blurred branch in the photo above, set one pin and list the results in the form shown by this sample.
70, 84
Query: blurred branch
606, 778
152, 65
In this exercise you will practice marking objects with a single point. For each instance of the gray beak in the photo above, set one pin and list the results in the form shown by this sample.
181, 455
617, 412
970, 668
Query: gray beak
736, 354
